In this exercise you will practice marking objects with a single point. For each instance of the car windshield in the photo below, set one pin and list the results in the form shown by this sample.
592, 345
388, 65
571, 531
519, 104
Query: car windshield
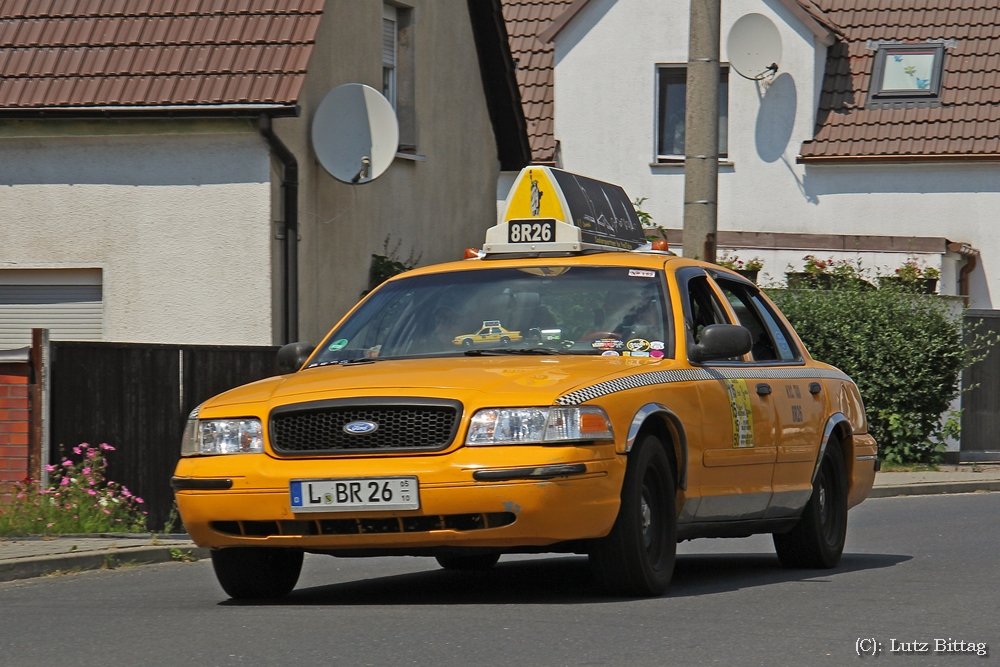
533, 310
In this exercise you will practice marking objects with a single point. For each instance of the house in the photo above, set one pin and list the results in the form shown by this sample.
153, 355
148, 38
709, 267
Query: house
875, 142
157, 180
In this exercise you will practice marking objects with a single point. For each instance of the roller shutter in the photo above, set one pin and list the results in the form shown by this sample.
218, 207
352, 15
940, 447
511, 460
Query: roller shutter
70, 312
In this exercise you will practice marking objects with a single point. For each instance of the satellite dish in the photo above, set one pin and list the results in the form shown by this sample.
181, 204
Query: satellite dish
355, 133
754, 47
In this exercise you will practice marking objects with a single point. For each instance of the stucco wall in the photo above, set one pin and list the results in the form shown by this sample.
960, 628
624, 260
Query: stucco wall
605, 122
175, 213
435, 206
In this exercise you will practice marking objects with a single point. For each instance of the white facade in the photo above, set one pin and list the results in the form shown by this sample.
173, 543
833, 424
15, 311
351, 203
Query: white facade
176, 216
605, 122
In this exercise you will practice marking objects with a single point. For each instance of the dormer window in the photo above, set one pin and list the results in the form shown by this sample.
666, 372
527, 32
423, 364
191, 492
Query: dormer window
907, 72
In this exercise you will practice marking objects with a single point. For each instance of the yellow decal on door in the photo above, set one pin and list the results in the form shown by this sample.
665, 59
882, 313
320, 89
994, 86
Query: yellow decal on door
739, 403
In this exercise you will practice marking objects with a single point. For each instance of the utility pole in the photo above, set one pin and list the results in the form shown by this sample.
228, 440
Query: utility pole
701, 132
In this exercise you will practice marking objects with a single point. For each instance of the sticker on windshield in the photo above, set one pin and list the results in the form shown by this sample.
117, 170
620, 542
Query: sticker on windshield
656, 344
607, 344
742, 409
637, 354
641, 273
638, 345
339, 344
656, 354
609, 353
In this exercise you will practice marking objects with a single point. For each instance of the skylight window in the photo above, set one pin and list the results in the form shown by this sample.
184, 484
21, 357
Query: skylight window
907, 72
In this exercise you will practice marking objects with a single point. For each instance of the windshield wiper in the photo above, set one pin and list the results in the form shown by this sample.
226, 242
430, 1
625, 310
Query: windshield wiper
354, 362
499, 351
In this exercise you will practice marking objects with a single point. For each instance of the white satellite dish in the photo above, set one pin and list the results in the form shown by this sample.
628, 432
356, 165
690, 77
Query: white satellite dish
754, 47
355, 133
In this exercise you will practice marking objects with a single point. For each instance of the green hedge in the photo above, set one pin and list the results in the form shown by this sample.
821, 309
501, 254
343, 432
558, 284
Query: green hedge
904, 350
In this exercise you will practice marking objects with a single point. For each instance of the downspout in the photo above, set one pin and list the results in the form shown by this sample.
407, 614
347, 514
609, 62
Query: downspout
971, 256
290, 243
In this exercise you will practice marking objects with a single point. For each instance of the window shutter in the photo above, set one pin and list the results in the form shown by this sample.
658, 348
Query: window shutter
70, 312
388, 43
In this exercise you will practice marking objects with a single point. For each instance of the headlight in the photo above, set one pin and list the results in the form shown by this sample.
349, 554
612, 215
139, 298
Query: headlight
522, 426
222, 436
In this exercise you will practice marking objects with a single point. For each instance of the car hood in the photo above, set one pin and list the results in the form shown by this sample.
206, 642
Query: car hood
520, 380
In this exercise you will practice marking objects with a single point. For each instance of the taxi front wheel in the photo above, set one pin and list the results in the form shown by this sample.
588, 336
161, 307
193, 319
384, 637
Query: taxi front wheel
637, 557
817, 541
257, 573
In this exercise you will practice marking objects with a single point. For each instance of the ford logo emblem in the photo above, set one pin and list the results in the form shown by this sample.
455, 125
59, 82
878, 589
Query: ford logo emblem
360, 427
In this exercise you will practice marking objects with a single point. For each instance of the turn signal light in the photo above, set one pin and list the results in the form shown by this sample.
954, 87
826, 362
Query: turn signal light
660, 244
471, 253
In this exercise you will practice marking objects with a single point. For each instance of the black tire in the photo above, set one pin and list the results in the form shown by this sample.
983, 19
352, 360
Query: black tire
468, 563
467, 342
257, 573
504, 340
817, 541
637, 557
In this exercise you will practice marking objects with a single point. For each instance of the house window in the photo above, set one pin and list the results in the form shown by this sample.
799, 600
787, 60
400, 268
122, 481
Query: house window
907, 71
398, 71
671, 98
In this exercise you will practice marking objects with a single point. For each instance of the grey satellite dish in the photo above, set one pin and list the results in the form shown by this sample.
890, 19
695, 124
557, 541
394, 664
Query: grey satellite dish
355, 133
754, 47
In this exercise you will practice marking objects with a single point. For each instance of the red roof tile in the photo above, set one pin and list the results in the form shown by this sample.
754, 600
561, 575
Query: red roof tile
526, 19
80, 53
963, 123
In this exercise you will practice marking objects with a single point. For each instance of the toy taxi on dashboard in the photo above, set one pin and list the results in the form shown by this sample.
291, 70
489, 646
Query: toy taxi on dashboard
630, 399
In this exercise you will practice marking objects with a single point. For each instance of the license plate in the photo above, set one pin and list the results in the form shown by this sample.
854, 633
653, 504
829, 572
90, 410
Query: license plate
353, 495
531, 231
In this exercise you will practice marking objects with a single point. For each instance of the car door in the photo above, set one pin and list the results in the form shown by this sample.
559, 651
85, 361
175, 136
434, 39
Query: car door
737, 425
792, 389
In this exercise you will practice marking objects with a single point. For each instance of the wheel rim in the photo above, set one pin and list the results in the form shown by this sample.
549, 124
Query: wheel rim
828, 515
651, 516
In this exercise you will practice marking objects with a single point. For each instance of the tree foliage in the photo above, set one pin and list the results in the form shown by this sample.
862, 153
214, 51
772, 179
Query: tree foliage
904, 350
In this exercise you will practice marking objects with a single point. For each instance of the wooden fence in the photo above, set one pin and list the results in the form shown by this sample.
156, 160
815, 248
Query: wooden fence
136, 397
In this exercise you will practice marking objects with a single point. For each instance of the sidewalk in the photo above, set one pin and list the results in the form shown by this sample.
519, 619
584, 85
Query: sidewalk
25, 557
965, 478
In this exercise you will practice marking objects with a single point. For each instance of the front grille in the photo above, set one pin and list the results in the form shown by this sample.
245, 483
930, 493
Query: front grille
410, 524
403, 425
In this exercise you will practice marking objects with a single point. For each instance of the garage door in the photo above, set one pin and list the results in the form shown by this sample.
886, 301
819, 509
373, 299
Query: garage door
70, 312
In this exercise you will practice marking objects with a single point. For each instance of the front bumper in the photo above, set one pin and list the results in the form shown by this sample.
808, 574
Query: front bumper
494, 497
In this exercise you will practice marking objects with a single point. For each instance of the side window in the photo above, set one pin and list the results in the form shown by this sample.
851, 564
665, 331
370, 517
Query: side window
705, 307
769, 341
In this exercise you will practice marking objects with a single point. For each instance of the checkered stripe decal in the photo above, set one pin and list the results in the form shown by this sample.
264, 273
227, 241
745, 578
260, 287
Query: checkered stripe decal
691, 375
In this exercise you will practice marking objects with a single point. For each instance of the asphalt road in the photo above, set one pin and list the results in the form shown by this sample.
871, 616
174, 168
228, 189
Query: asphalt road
915, 569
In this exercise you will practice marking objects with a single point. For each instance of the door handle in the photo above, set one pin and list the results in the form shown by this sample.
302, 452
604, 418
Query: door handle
763, 389
815, 388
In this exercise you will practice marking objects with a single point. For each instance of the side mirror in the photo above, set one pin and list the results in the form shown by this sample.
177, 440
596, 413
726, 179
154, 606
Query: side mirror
292, 356
721, 341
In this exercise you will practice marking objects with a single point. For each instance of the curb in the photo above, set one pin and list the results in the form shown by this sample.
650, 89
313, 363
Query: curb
932, 488
93, 560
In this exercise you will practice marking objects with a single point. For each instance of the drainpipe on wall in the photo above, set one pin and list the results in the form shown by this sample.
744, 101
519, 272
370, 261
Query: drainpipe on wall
971, 259
290, 244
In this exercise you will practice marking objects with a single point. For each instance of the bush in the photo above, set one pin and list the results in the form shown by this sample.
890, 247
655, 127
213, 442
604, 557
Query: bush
77, 500
904, 350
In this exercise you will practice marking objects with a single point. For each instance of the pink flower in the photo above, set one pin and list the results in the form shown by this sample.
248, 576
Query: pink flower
86, 471
64, 481
49, 525
107, 512
20, 496
68, 463
126, 492
92, 453
106, 447
139, 500
76, 450
76, 516
92, 492
50, 468
90, 480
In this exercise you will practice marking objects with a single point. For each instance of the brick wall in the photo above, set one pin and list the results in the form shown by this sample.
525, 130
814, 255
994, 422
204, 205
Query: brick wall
14, 425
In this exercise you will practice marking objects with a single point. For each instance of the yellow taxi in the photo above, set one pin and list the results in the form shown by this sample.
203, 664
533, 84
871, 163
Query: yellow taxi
667, 399
491, 332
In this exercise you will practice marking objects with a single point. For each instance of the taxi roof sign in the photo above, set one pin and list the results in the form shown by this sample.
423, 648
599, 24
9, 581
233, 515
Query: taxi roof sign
550, 209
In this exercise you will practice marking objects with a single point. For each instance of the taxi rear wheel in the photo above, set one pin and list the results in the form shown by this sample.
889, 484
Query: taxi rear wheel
257, 573
468, 563
637, 557
817, 541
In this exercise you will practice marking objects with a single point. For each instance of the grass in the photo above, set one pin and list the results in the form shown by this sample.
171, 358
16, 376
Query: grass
888, 466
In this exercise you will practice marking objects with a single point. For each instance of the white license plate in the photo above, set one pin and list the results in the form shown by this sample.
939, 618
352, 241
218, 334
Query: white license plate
353, 495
